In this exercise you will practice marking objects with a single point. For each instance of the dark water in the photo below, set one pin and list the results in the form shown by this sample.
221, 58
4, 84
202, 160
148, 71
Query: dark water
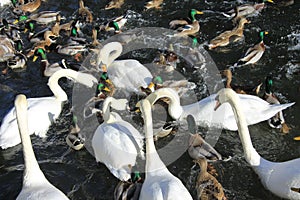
80, 177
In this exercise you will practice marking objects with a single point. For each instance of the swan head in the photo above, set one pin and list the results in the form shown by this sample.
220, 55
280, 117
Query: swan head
223, 96
175, 109
109, 52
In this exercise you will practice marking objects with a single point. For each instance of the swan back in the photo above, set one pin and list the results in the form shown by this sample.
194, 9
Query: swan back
35, 184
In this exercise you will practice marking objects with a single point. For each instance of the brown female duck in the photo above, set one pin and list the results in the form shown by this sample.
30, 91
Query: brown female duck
154, 4
231, 36
207, 186
85, 12
114, 4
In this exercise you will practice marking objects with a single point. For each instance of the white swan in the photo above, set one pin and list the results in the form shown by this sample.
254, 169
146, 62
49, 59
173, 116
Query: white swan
281, 178
159, 183
116, 143
43, 110
255, 109
35, 184
128, 75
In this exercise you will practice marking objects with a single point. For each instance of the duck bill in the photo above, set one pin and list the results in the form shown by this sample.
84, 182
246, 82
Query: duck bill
34, 58
270, 1
108, 81
199, 13
297, 138
16, 21
106, 89
151, 87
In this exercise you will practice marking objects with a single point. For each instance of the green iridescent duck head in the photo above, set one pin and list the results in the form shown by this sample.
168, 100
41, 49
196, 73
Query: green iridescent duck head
192, 14
39, 52
262, 34
269, 85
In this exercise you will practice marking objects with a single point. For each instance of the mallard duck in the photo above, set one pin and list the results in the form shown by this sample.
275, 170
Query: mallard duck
116, 24
168, 60
180, 86
95, 42
129, 190
44, 17
43, 44
154, 4
49, 69
71, 49
105, 86
278, 120
31, 6
116, 143
187, 27
84, 12
43, 110
114, 4
253, 54
256, 109
56, 27
281, 178
228, 37
74, 139
159, 182
247, 9
240, 89
35, 184
198, 147
207, 186
18, 61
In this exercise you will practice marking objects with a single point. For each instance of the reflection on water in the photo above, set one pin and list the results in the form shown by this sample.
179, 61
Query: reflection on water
80, 177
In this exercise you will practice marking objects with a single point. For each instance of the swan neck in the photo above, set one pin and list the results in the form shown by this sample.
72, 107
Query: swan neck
31, 164
153, 161
106, 110
58, 92
251, 155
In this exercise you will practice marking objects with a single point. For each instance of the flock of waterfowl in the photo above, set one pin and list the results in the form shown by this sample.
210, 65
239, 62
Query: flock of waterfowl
28, 33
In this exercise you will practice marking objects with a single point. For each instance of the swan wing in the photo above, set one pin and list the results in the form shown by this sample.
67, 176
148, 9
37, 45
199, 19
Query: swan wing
255, 109
129, 75
42, 111
113, 147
